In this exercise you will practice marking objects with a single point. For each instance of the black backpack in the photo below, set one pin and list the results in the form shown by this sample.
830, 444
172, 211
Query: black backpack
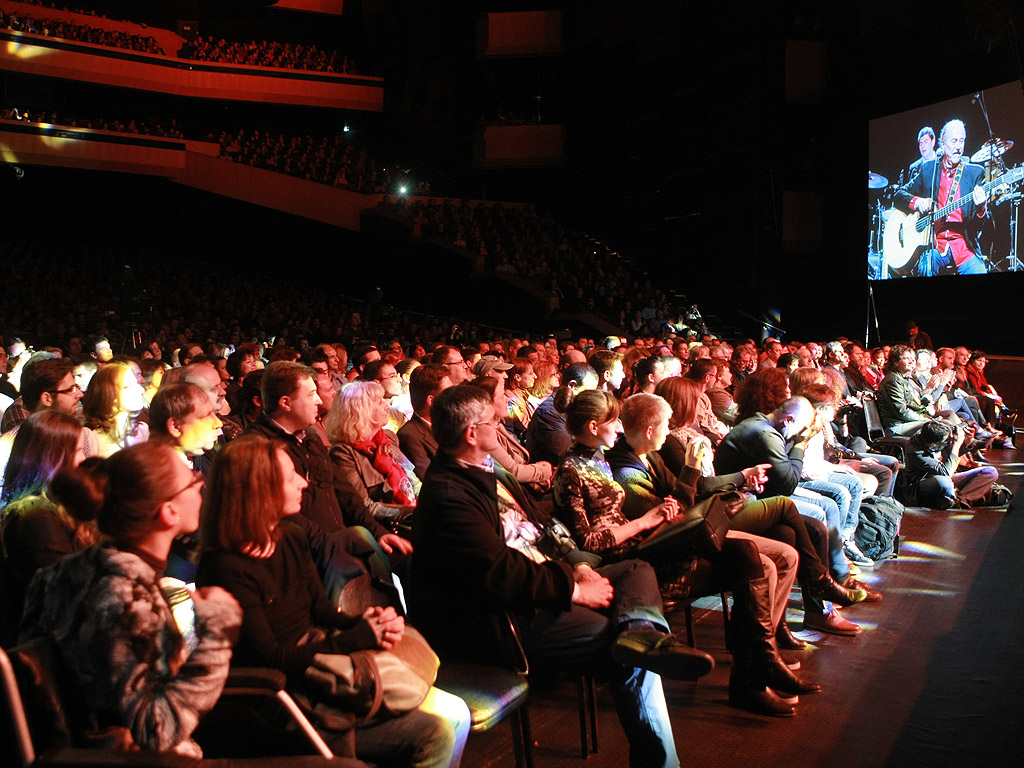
877, 534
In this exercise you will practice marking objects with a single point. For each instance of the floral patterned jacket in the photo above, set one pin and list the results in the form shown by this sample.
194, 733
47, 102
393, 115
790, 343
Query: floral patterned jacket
137, 685
589, 500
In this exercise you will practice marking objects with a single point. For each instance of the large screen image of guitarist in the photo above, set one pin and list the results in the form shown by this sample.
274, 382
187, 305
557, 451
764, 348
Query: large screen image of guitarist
945, 187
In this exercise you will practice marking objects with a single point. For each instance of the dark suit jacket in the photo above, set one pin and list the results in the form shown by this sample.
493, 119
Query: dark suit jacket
417, 443
463, 574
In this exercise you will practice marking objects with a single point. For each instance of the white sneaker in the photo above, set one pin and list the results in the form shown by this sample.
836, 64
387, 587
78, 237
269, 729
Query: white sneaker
856, 556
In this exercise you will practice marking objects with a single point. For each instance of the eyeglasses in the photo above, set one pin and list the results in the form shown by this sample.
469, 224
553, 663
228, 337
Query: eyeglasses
493, 423
463, 363
197, 479
65, 391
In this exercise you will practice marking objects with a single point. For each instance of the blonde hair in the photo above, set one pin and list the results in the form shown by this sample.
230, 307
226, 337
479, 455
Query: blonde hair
349, 420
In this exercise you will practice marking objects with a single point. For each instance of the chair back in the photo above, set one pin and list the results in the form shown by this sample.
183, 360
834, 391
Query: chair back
873, 420
35, 705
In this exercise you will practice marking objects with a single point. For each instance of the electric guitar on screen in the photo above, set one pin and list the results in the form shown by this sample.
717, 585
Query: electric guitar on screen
907, 234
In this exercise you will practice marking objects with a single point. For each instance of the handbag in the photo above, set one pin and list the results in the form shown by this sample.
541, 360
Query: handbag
699, 530
375, 682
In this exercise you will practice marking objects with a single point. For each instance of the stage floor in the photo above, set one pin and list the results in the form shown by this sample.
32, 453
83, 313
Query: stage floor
936, 678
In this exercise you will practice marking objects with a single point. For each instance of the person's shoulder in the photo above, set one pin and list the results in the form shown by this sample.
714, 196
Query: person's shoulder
342, 452
27, 507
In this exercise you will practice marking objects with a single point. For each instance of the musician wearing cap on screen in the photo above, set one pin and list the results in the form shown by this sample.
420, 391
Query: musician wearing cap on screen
943, 180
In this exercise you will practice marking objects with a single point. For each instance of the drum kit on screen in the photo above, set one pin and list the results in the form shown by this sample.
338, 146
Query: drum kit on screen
897, 238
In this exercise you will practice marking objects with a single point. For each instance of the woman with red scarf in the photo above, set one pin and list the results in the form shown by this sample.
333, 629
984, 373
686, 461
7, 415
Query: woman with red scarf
373, 474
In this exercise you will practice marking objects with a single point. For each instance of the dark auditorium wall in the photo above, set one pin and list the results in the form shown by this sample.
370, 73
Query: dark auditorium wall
720, 145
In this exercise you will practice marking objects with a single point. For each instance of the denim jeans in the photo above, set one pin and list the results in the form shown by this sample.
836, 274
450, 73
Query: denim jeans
581, 637
939, 491
846, 491
418, 739
824, 509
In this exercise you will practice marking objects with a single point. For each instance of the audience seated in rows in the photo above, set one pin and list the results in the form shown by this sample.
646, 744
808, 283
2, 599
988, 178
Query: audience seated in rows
83, 33
356, 497
267, 53
169, 129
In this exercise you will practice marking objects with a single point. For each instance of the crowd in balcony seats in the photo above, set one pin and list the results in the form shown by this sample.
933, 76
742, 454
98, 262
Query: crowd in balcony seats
324, 160
152, 127
583, 274
268, 53
83, 33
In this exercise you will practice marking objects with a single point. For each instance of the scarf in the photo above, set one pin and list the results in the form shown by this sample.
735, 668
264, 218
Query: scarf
378, 449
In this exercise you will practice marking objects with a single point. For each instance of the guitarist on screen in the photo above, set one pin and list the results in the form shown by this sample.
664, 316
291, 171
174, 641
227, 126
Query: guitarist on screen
941, 181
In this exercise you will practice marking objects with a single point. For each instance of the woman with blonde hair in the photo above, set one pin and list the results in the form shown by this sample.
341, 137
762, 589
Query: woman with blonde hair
372, 473
546, 381
111, 406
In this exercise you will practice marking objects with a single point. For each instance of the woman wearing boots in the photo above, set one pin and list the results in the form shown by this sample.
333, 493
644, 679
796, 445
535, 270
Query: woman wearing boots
591, 502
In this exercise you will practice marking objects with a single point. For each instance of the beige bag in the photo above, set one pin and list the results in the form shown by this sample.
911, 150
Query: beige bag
369, 682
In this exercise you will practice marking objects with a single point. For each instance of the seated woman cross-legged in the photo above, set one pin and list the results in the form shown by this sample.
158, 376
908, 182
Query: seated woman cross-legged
591, 501
263, 558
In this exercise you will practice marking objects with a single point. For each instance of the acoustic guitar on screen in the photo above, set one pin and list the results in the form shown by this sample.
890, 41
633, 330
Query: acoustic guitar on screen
908, 234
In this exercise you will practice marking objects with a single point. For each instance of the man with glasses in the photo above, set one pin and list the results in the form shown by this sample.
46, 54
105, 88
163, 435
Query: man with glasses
46, 383
452, 359
326, 392
385, 374
481, 555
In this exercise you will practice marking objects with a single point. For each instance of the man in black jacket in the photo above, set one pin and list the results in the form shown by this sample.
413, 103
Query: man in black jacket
289, 411
481, 554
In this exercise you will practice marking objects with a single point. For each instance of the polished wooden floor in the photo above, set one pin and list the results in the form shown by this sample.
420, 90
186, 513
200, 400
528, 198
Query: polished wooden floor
935, 679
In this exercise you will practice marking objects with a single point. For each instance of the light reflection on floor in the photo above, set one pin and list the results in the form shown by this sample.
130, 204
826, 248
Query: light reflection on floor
934, 592
930, 549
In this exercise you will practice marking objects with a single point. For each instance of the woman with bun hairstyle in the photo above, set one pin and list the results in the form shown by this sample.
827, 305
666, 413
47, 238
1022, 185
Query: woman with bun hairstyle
510, 454
142, 680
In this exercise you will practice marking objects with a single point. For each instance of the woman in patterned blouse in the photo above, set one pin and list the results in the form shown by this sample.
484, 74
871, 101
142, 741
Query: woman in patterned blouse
586, 495
590, 500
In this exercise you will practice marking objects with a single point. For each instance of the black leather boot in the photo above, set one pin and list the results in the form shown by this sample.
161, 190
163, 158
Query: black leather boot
786, 640
745, 692
752, 606
746, 689
827, 588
